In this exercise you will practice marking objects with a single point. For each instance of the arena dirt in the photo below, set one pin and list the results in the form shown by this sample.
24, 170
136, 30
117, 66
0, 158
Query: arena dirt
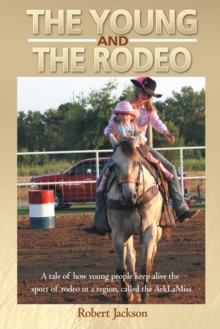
45, 257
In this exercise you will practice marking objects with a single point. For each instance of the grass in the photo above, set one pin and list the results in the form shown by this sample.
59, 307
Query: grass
193, 167
198, 205
34, 170
60, 166
75, 209
90, 209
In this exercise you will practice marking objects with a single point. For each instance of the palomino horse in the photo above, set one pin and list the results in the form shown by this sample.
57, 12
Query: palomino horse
134, 187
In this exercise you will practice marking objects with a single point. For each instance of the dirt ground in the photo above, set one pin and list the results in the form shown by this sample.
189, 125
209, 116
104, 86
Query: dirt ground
54, 264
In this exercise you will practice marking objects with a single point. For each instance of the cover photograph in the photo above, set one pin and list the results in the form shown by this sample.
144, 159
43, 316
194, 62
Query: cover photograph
109, 213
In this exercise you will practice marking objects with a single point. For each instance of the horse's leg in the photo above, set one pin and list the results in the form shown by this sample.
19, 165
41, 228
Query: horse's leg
131, 261
120, 250
159, 234
148, 252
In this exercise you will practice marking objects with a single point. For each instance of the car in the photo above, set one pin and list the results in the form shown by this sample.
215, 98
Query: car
75, 185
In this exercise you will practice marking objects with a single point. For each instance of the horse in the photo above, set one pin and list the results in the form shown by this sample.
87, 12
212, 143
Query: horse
141, 205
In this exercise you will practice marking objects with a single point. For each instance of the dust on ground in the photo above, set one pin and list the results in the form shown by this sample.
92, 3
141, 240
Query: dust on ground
66, 248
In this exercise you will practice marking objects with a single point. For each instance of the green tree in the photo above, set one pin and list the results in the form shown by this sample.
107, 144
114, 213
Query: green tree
53, 121
159, 141
84, 125
79, 125
30, 130
21, 129
126, 93
187, 112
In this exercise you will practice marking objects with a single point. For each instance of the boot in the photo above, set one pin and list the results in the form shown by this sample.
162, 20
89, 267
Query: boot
92, 229
165, 172
101, 186
187, 215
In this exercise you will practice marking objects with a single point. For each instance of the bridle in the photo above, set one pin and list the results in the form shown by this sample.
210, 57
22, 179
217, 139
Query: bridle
129, 178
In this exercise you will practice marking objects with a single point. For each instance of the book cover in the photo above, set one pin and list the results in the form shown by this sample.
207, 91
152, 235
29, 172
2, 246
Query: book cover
49, 45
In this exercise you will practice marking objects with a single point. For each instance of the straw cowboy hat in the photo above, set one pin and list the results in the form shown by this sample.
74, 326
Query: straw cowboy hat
146, 84
126, 108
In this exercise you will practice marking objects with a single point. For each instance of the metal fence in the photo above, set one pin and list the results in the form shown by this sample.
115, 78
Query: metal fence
195, 187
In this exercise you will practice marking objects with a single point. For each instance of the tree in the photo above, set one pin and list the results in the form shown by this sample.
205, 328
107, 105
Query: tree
159, 141
21, 130
84, 124
79, 125
187, 112
53, 121
126, 93
30, 131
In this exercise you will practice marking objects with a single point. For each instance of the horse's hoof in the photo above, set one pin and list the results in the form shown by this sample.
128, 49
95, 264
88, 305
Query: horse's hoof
137, 299
128, 298
145, 299
131, 298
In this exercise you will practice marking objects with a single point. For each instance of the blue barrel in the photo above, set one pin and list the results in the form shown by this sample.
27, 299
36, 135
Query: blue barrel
41, 209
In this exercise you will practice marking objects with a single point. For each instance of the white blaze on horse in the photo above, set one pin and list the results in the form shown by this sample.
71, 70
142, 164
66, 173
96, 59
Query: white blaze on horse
134, 185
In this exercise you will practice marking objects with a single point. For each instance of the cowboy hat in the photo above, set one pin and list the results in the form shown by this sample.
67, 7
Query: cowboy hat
126, 108
146, 84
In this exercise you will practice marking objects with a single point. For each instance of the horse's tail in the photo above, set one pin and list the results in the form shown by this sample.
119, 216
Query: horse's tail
167, 232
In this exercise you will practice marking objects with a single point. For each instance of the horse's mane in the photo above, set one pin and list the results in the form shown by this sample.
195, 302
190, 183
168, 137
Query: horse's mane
128, 149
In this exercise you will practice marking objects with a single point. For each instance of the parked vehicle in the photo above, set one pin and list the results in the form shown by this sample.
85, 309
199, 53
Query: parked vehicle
75, 185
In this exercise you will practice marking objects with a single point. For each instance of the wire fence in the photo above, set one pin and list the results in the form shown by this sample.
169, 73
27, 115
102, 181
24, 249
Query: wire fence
80, 170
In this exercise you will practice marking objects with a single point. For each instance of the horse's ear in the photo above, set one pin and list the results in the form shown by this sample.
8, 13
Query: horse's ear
136, 140
113, 140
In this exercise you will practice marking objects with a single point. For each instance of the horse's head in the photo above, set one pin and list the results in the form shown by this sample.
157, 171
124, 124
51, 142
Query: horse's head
127, 168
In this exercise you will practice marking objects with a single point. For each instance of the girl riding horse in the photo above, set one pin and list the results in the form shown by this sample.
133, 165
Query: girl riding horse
124, 127
141, 99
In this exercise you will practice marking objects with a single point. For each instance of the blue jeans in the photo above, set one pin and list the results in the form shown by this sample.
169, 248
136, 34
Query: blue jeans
179, 203
100, 200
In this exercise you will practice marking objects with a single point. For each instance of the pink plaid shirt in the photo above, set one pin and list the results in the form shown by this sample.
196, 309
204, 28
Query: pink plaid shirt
142, 121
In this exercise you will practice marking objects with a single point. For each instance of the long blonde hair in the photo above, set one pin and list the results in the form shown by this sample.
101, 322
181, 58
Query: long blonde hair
148, 105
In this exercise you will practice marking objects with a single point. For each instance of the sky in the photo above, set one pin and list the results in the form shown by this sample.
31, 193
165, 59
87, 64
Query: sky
41, 94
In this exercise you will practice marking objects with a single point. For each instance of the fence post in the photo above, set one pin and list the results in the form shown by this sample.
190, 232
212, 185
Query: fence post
97, 164
181, 173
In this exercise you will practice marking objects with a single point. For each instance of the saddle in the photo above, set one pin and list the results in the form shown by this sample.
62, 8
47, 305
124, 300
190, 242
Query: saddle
167, 215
